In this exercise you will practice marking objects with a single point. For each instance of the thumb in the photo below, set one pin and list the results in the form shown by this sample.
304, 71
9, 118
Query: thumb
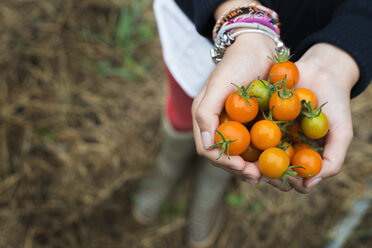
207, 113
334, 154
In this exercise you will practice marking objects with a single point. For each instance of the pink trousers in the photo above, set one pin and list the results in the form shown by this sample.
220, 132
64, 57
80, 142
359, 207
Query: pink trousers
178, 105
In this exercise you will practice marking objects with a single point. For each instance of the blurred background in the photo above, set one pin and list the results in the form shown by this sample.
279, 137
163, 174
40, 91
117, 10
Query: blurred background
81, 91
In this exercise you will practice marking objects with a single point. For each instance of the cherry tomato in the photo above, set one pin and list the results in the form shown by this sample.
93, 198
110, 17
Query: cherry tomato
285, 109
288, 149
265, 134
307, 95
259, 117
232, 130
273, 162
224, 117
316, 127
262, 90
300, 146
279, 70
311, 162
251, 154
240, 106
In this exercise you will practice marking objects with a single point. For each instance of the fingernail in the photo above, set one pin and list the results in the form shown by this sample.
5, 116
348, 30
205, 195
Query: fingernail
206, 140
315, 182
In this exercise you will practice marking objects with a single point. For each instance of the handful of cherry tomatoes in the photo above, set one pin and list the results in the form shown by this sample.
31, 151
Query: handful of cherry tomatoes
274, 124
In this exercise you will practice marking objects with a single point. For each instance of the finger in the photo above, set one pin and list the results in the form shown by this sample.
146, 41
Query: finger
337, 143
249, 180
235, 173
235, 163
298, 184
197, 134
278, 183
216, 91
207, 113
251, 171
334, 154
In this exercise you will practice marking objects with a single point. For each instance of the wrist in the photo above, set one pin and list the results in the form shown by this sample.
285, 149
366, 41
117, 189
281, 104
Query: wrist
256, 41
249, 55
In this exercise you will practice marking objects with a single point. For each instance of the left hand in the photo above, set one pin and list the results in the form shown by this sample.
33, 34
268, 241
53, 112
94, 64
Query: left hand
330, 73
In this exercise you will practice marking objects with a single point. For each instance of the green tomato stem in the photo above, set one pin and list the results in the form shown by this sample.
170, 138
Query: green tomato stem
225, 145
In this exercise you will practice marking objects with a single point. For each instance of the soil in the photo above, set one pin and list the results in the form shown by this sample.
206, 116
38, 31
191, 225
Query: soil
75, 141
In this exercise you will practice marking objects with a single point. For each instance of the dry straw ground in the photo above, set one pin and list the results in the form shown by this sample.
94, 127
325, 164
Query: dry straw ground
74, 141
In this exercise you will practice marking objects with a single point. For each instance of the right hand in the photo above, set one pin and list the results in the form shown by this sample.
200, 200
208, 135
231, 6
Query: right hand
243, 62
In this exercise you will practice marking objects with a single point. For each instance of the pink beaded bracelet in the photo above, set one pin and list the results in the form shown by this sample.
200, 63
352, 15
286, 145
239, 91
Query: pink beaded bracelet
263, 21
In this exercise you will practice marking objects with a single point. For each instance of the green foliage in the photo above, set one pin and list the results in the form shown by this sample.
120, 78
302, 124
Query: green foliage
131, 34
234, 199
255, 206
106, 69
175, 208
45, 134
361, 233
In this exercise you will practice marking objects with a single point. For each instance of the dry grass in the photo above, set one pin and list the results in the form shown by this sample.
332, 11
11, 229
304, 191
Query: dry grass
73, 143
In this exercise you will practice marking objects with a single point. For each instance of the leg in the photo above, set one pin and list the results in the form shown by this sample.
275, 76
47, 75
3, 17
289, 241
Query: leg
175, 153
206, 215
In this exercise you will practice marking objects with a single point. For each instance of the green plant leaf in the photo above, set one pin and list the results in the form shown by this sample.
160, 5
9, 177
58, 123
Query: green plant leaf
234, 199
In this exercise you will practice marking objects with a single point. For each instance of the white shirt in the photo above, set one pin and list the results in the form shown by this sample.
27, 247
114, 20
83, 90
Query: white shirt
185, 51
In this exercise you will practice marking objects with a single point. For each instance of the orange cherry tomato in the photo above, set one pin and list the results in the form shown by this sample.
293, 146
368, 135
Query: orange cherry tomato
265, 134
300, 146
251, 154
285, 109
273, 162
310, 160
238, 109
224, 117
289, 150
279, 70
307, 95
233, 130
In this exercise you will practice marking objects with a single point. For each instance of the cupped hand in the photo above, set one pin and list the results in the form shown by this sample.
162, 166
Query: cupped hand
243, 62
330, 73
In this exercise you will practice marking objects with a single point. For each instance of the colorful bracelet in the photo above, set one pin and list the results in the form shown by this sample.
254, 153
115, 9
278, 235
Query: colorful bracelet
226, 37
250, 10
263, 21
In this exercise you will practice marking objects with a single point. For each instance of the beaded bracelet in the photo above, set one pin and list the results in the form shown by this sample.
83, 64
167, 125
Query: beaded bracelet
226, 37
262, 21
250, 10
